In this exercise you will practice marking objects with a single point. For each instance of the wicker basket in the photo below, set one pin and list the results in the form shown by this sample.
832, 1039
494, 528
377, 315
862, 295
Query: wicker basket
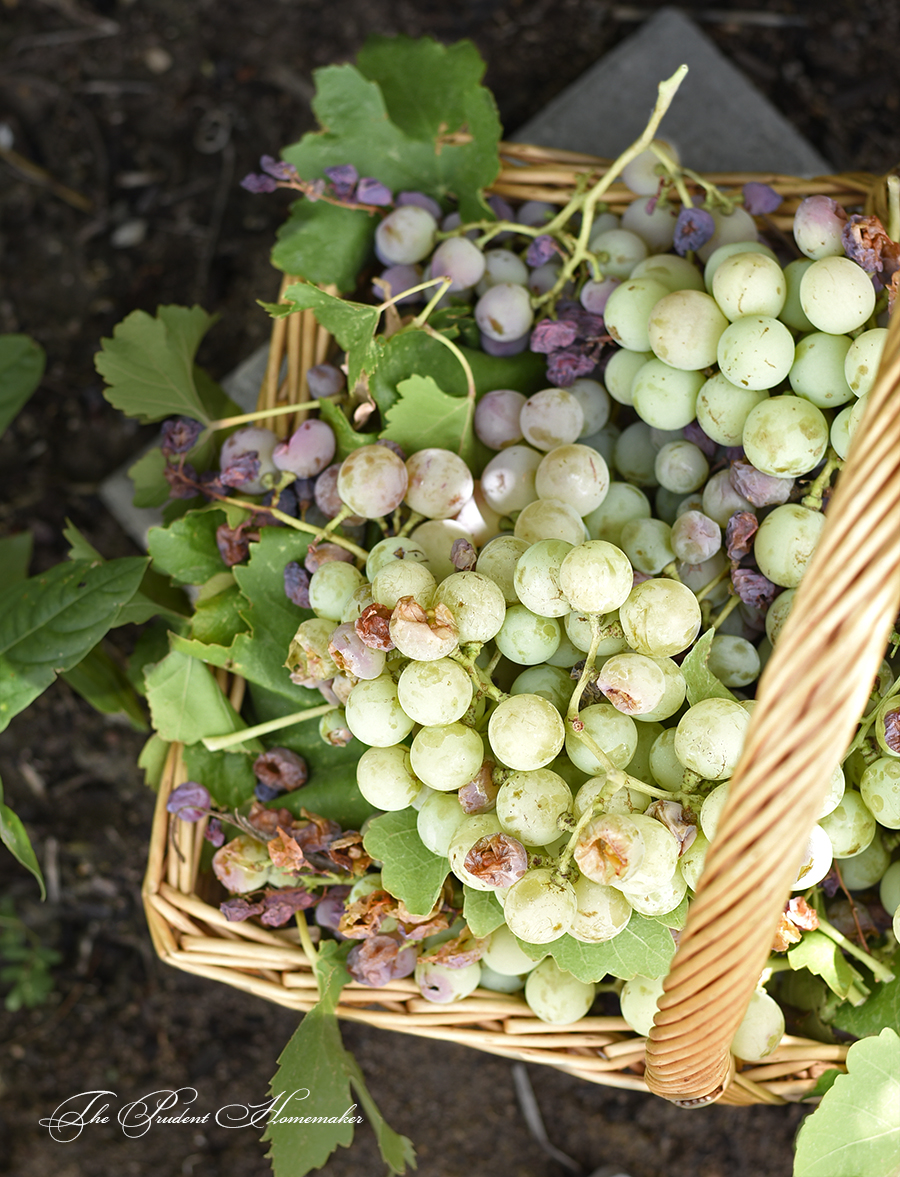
810, 696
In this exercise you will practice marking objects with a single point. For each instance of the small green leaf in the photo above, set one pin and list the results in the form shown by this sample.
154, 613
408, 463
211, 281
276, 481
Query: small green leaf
352, 324
325, 244
17, 842
409, 870
880, 1009
424, 416
824, 1083
153, 760
816, 952
228, 775
218, 619
150, 486
186, 702
148, 365
100, 680
21, 368
15, 556
700, 681
346, 436
644, 948
187, 550
855, 1130
49, 623
481, 911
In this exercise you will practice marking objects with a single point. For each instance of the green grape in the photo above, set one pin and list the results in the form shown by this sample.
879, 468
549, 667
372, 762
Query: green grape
437, 820
749, 284
862, 360
840, 431
439, 983
721, 252
880, 789
623, 503
756, 351
660, 858
386, 779
497, 561
836, 786
710, 737
393, 548
660, 618
434, 692
625, 800
648, 545
777, 614
723, 407
578, 629
557, 997
446, 755
525, 638
864, 870
648, 731
507, 481
595, 577
850, 826
761, 1028
792, 312
529, 805
665, 397
331, 586
403, 578
889, 888
504, 955
887, 725
499, 982
627, 311
464, 837
437, 537
576, 474
540, 907
476, 602
613, 732
526, 732
817, 372
684, 330
633, 683
537, 577
676, 273
620, 372
785, 543
550, 682
817, 860
602, 912
667, 769
550, 519
634, 455
693, 860
638, 1001
733, 660
660, 900
837, 295
374, 714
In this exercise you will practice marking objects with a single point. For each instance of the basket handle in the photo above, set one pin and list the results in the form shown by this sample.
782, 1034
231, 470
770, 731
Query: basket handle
812, 693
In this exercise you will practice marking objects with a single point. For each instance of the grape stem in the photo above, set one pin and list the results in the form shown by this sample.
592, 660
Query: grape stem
880, 971
263, 414
309, 949
482, 683
865, 724
422, 318
731, 604
219, 743
716, 580
893, 225
814, 496
297, 524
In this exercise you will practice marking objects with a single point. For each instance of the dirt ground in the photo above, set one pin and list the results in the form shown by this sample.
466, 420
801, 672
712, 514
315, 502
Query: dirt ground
136, 119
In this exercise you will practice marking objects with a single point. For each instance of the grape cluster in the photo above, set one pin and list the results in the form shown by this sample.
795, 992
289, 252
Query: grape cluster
510, 654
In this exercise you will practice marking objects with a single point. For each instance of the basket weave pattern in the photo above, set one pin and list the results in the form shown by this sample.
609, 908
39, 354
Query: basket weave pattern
810, 696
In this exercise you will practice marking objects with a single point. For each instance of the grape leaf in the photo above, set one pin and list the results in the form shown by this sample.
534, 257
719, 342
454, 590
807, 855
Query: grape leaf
150, 486
644, 948
824, 1083
351, 323
16, 840
481, 911
186, 702
880, 1009
148, 365
15, 556
856, 1128
324, 243
21, 368
410, 871
187, 550
314, 1077
100, 680
153, 760
228, 775
217, 619
49, 622
700, 681
424, 416
816, 952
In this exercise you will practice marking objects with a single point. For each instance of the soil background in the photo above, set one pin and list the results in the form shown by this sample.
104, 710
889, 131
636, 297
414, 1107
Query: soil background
150, 111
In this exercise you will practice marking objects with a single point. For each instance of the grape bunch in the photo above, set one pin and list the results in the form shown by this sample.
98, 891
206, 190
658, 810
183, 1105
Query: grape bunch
515, 653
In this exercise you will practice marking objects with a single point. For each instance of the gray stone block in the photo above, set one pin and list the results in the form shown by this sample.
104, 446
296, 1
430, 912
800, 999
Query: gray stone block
719, 121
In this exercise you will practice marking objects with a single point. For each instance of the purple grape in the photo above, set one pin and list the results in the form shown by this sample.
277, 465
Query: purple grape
535, 212
296, 584
325, 380
594, 295
380, 959
497, 418
189, 801
511, 347
693, 228
422, 201
308, 450
760, 199
343, 178
371, 191
179, 435
399, 278
330, 908
266, 792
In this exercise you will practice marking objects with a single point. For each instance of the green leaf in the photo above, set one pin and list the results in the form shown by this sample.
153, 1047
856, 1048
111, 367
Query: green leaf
22, 364
187, 550
17, 842
325, 244
228, 775
186, 702
49, 623
880, 1009
856, 1128
351, 323
816, 952
148, 365
346, 436
824, 1083
700, 681
314, 1077
410, 872
15, 556
218, 620
481, 911
153, 759
150, 486
424, 416
644, 948
100, 680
